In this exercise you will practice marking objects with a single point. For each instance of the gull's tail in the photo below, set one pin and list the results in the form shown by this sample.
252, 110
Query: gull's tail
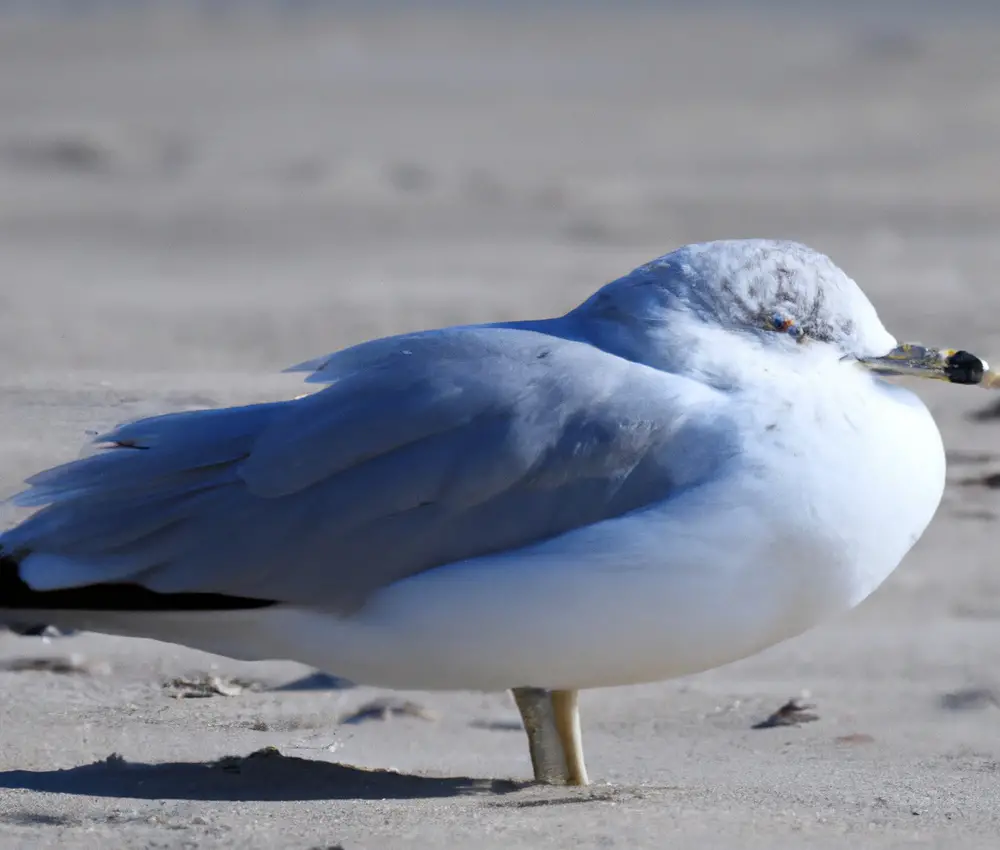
112, 608
64, 567
246, 629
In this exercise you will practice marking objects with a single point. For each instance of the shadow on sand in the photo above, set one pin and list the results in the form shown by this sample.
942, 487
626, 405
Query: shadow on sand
266, 775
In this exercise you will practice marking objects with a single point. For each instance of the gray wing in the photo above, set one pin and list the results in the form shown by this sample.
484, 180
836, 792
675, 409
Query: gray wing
424, 450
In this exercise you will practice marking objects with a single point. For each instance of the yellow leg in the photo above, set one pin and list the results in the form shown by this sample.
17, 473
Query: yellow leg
566, 708
552, 723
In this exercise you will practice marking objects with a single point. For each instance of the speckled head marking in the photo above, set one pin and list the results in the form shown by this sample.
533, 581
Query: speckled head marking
765, 292
745, 285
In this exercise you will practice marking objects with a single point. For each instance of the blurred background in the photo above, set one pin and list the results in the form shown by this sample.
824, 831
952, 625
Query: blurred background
195, 195
236, 186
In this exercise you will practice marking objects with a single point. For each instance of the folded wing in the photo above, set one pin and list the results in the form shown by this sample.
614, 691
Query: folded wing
424, 450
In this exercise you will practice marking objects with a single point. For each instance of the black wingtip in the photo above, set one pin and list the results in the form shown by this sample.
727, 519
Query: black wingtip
15, 595
9, 567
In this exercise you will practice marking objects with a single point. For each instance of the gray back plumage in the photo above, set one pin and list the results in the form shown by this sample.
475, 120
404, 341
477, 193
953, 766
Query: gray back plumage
435, 448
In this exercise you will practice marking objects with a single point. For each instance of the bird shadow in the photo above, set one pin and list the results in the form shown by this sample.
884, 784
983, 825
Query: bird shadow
316, 682
266, 775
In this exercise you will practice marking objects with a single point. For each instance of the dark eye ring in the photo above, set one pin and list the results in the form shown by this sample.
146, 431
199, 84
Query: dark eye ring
782, 323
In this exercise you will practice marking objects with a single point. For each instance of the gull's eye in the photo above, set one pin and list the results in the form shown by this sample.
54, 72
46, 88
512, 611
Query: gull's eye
778, 322
782, 324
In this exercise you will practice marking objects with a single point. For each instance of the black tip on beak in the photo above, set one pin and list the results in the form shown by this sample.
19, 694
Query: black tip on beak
964, 368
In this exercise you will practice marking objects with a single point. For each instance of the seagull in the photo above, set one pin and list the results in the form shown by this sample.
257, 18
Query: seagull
701, 460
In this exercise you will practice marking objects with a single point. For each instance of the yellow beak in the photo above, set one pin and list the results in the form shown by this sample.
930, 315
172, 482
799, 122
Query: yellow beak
941, 364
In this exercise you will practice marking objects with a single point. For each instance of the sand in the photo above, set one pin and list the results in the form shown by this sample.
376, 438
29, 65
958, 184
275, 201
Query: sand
194, 197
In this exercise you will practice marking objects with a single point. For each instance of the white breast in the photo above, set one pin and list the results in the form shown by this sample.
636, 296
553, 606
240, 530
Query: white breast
860, 463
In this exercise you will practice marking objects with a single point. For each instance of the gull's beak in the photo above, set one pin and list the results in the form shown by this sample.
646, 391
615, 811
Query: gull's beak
918, 361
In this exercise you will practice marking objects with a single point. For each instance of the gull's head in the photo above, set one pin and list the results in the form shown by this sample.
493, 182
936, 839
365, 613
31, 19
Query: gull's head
726, 311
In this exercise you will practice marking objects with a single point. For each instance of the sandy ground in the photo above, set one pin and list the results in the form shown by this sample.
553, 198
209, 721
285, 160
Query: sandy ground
189, 202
